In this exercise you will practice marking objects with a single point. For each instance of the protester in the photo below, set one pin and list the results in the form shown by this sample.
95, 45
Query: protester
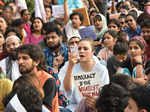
31, 60
77, 66
112, 98
9, 64
109, 40
36, 32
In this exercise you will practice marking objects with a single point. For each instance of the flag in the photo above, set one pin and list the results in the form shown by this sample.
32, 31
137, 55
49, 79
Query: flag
21, 4
39, 10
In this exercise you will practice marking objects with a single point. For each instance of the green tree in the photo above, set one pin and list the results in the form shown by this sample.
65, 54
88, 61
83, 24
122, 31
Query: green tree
30, 5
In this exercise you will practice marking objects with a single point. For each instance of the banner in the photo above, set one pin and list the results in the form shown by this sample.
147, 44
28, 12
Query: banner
21, 4
39, 10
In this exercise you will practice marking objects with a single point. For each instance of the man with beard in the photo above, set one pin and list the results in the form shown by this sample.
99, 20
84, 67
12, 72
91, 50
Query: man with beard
55, 52
9, 64
145, 30
31, 60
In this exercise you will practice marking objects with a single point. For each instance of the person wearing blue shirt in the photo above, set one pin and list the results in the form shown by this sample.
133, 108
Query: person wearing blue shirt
133, 28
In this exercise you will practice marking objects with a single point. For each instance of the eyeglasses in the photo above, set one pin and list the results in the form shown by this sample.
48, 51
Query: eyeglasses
130, 20
122, 22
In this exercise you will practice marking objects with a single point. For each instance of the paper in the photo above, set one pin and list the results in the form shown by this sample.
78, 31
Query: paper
88, 32
58, 11
88, 83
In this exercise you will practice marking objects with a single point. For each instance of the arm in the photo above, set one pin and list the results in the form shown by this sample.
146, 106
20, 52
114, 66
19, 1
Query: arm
68, 76
66, 12
93, 3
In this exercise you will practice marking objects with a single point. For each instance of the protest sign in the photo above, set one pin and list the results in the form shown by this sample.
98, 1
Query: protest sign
88, 32
88, 83
58, 11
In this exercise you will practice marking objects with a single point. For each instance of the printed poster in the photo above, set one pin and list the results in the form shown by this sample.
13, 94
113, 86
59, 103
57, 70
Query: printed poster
88, 83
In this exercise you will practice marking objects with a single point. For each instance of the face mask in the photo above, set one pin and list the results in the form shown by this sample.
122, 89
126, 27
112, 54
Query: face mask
148, 9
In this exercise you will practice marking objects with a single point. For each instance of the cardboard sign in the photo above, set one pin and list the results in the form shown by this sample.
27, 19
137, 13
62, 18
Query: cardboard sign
88, 83
84, 12
88, 32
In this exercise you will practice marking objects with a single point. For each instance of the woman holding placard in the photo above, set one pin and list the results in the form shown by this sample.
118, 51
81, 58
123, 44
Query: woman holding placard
83, 75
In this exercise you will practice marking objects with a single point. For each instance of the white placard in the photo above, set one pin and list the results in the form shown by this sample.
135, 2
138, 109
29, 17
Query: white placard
58, 11
88, 83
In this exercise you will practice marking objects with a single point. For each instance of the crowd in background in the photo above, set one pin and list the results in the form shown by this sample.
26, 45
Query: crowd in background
47, 66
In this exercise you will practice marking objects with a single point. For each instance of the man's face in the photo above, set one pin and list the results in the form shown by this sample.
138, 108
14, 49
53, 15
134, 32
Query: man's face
11, 45
73, 42
26, 64
76, 22
146, 34
52, 40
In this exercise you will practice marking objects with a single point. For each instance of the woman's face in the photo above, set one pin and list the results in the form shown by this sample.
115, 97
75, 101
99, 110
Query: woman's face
48, 12
131, 22
2, 40
98, 24
3, 24
134, 49
132, 106
85, 51
109, 41
114, 27
37, 25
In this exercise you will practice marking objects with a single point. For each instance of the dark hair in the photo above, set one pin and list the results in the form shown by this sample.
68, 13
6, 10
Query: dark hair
122, 16
32, 28
53, 28
145, 23
133, 15
6, 20
140, 95
23, 11
125, 7
50, 7
113, 98
81, 17
30, 79
7, 7
10, 29
120, 48
58, 22
123, 80
114, 21
35, 53
114, 34
17, 22
91, 12
122, 36
137, 42
30, 98
97, 17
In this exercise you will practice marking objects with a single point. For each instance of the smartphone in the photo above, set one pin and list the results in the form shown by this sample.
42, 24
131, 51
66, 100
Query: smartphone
74, 50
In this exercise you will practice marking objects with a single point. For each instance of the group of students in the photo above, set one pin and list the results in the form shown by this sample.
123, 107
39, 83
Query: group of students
49, 67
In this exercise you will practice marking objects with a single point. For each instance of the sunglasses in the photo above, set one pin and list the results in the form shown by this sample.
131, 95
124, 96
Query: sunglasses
130, 20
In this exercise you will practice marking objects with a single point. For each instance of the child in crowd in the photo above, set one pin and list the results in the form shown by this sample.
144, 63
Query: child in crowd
109, 40
120, 52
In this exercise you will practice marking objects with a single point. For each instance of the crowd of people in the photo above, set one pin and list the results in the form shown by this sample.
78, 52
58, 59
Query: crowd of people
48, 66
